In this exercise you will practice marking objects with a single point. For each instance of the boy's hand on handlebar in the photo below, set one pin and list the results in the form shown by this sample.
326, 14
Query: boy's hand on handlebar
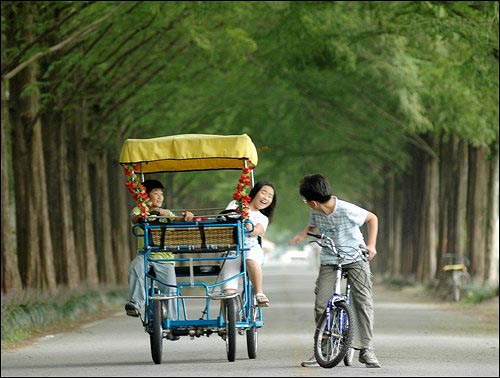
296, 239
372, 252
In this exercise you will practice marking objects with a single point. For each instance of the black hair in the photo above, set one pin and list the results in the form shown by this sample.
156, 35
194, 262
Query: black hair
268, 211
315, 187
152, 184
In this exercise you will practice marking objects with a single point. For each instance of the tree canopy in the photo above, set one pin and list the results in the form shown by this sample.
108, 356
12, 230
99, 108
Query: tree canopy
349, 89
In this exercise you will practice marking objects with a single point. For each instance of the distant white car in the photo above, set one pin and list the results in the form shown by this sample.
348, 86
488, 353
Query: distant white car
294, 256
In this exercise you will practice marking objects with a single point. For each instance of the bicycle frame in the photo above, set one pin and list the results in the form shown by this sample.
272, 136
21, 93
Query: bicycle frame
337, 296
335, 328
459, 275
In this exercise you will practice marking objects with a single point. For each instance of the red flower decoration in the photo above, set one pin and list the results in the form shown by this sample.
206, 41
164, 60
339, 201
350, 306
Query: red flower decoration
137, 190
242, 189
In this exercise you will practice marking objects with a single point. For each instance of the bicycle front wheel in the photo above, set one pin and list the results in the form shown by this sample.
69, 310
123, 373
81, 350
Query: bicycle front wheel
457, 285
333, 338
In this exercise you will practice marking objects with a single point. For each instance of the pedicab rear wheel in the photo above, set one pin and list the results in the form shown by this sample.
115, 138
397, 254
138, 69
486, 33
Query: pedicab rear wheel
156, 336
230, 309
252, 335
252, 342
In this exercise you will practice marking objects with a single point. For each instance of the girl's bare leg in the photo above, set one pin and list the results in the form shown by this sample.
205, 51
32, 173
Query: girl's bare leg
255, 274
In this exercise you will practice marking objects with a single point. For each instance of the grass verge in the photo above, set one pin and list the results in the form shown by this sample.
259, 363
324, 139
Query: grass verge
31, 314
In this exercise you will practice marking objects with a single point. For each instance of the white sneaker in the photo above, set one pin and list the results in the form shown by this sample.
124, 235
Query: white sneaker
133, 309
367, 357
310, 362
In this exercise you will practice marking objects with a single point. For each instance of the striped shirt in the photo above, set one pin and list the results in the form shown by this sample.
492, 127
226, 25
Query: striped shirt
343, 226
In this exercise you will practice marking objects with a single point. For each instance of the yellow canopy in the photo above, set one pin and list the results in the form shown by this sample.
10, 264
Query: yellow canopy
189, 152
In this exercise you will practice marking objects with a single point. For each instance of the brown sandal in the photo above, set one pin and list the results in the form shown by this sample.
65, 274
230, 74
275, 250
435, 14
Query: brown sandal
262, 300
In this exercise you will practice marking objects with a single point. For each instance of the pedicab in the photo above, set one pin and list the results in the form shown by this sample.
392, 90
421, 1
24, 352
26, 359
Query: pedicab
200, 248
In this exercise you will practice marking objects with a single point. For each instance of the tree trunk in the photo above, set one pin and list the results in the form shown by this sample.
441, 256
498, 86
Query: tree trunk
32, 217
392, 258
410, 226
444, 200
462, 160
68, 254
51, 121
454, 196
476, 212
427, 263
10, 272
390, 225
101, 198
41, 206
491, 249
121, 232
84, 216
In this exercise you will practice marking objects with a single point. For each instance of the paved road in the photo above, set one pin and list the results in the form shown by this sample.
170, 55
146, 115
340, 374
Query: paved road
413, 338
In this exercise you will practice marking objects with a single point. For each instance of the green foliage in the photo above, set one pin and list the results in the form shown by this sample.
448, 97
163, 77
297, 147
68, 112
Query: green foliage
335, 87
400, 282
478, 293
473, 294
453, 53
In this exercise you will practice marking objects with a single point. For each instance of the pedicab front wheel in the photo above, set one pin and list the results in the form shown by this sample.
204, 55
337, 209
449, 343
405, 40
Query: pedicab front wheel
156, 336
230, 309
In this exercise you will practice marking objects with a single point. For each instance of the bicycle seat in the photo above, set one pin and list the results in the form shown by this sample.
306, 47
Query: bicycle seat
454, 267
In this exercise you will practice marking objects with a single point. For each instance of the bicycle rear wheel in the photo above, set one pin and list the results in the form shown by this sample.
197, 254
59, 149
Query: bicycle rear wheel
457, 286
331, 344
461, 280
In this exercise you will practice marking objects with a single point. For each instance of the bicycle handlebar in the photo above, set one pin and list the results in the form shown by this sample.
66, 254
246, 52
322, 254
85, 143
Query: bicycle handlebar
455, 258
317, 236
330, 244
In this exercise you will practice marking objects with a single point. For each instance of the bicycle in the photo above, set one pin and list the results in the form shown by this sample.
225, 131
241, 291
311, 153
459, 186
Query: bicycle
460, 277
335, 328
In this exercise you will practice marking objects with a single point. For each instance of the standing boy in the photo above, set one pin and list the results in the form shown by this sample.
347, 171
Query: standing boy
341, 221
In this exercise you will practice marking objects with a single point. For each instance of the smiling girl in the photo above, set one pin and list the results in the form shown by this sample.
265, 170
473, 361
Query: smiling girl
261, 209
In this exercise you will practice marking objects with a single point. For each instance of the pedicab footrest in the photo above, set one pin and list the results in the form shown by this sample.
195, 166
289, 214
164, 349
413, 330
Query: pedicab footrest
223, 295
158, 297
